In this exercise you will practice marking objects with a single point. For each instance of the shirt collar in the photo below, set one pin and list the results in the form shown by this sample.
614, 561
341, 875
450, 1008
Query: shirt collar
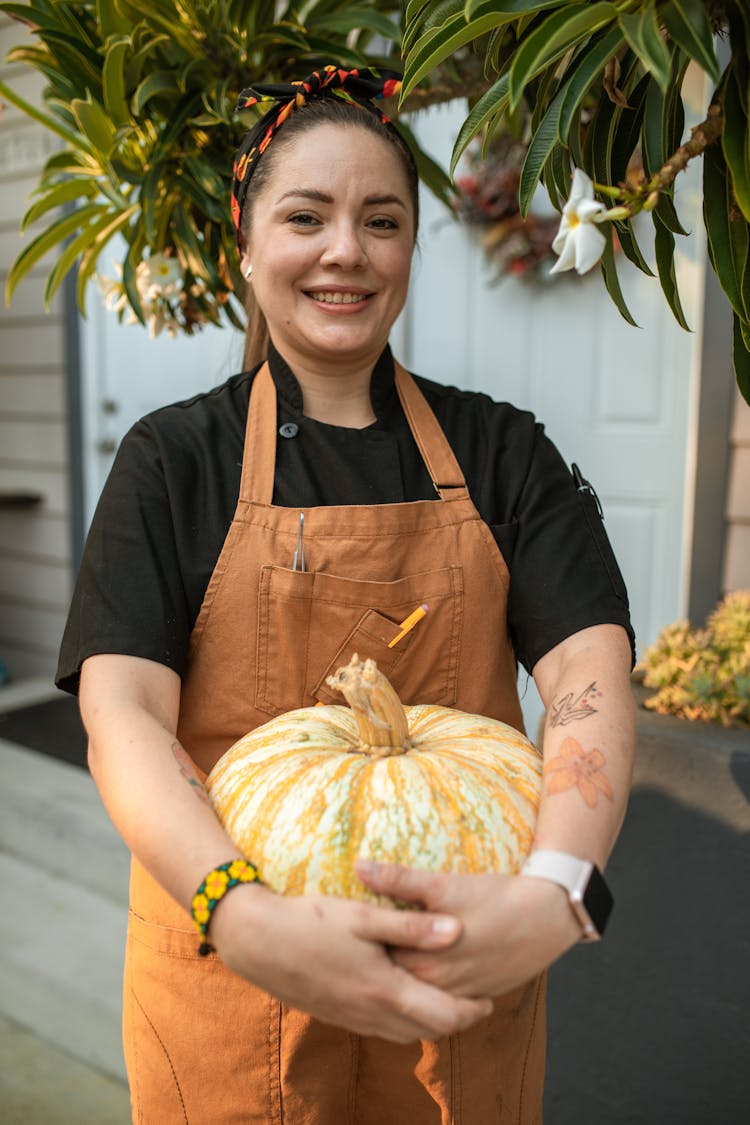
382, 382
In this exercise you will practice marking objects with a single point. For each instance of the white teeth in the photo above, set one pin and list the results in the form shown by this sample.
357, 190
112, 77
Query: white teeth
339, 298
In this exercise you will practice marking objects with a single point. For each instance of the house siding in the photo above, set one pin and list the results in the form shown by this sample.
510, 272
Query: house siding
737, 548
35, 552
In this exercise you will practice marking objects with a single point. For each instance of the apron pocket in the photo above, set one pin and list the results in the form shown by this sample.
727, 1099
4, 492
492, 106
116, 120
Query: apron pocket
310, 623
369, 639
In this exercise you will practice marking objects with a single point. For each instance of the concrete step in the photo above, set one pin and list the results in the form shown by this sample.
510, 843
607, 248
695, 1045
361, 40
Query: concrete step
43, 1085
64, 871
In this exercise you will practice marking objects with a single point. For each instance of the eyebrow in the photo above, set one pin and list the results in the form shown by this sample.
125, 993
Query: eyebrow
323, 197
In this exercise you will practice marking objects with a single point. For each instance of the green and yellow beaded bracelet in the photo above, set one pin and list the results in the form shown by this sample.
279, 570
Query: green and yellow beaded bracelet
212, 890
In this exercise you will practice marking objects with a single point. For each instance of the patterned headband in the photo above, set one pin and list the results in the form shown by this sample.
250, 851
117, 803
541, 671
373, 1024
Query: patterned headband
358, 86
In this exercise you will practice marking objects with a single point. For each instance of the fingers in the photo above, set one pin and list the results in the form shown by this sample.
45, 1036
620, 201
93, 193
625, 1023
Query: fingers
434, 1013
405, 883
413, 929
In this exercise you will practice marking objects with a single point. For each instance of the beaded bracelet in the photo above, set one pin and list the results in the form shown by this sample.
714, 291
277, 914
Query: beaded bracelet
212, 891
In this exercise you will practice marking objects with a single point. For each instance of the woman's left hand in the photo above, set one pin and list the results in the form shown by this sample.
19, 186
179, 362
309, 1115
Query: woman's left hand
513, 927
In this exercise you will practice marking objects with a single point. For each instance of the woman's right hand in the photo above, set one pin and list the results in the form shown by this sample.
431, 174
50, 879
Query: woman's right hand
328, 957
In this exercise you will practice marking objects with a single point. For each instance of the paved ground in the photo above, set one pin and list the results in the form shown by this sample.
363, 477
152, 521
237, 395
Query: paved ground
649, 1028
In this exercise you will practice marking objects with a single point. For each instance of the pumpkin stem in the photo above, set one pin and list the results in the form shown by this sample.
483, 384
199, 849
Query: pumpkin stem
383, 729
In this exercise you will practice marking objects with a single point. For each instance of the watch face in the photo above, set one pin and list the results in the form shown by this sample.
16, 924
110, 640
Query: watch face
597, 900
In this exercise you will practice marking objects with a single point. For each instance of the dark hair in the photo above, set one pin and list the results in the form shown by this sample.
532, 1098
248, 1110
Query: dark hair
331, 110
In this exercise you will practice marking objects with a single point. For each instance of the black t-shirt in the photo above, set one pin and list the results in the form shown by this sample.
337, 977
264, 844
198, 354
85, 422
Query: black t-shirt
165, 511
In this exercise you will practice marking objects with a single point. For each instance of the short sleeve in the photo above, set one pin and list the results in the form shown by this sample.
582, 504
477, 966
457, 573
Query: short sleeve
129, 596
564, 575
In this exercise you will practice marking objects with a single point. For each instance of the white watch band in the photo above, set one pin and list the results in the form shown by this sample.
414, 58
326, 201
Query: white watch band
569, 872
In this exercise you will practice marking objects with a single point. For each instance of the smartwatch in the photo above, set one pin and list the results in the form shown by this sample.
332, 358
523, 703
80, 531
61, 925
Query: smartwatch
589, 896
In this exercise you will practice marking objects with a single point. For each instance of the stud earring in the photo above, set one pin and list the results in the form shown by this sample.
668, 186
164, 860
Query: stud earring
246, 272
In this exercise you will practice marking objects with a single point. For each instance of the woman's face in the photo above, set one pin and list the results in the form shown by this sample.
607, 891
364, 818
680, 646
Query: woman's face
331, 241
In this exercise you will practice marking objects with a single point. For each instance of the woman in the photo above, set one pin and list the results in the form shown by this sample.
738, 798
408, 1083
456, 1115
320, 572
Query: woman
206, 604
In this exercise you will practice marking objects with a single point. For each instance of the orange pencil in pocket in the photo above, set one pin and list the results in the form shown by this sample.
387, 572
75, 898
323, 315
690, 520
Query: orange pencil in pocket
408, 624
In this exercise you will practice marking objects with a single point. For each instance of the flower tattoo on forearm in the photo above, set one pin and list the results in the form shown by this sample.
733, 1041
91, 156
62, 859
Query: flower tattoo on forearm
187, 769
572, 707
577, 768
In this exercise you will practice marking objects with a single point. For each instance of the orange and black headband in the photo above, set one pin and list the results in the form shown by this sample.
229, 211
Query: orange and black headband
359, 86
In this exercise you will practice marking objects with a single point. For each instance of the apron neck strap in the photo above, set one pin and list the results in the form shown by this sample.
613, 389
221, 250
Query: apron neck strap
259, 455
431, 441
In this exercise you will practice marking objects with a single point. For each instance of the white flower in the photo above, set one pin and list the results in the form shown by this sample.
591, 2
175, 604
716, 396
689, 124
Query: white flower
158, 276
113, 292
578, 242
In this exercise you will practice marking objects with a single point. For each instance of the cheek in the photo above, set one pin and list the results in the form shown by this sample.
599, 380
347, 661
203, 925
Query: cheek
395, 265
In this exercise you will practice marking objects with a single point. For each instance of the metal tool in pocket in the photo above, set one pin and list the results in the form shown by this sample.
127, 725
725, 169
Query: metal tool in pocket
298, 561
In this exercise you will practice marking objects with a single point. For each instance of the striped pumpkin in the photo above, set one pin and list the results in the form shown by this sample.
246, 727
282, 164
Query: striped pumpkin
309, 792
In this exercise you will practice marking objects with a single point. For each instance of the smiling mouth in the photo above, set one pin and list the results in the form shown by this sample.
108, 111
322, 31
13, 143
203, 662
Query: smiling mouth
326, 298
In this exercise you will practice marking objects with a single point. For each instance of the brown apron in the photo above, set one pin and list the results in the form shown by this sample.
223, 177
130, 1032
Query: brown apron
202, 1045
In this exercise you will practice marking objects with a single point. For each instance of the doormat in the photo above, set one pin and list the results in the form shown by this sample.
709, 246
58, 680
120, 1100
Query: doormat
52, 728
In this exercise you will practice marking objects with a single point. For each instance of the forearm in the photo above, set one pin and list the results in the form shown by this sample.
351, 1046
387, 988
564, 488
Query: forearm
148, 783
588, 747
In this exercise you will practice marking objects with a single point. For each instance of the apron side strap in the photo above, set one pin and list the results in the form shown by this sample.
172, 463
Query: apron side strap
259, 454
432, 443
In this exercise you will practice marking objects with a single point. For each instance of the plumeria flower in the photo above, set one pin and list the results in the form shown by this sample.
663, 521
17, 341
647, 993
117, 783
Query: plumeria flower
578, 242
112, 291
158, 276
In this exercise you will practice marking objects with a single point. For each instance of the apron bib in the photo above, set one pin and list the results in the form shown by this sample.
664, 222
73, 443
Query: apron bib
202, 1045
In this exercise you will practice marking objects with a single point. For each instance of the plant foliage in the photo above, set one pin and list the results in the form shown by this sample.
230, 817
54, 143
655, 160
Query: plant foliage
601, 81
141, 95
704, 674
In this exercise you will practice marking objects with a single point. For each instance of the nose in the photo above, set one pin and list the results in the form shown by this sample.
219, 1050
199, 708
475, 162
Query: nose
344, 247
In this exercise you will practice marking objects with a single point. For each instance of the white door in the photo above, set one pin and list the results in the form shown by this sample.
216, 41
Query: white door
614, 399
126, 374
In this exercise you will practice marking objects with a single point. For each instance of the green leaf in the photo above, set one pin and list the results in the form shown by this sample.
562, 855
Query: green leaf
688, 25
728, 237
44, 242
611, 280
654, 130
82, 66
354, 19
558, 173
542, 143
626, 130
438, 43
113, 80
552, 38
190, 249
35, 16
587, 68
741, 359
76, 246
598, 150
511, 8
664, 250
491, 103
643, 35
630, 247
110, 19
95, 125
56, 197
156, 84
735, 140
129, 280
